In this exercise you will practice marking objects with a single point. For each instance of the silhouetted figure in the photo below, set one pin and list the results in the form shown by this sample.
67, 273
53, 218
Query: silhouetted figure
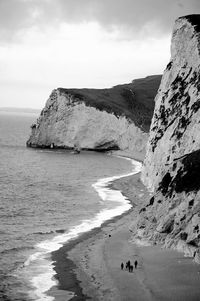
122, 266
136, 264
128, 264
77, 148
130, 268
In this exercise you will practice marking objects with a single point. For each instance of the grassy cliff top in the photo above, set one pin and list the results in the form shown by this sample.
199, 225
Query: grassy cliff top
134, 100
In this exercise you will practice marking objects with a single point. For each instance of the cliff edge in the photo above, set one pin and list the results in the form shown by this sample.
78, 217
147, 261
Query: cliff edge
98, 119
172, 165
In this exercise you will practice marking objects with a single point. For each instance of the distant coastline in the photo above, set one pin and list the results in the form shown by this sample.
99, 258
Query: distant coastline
19, 110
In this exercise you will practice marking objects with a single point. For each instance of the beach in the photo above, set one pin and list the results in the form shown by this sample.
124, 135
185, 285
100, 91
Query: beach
90, 266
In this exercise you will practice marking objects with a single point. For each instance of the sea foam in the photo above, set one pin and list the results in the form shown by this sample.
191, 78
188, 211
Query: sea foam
40, 265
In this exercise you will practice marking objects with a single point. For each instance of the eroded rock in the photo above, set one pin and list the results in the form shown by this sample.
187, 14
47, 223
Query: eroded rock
97, 119
172, 164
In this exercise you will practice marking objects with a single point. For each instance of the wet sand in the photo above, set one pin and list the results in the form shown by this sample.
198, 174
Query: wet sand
90, 265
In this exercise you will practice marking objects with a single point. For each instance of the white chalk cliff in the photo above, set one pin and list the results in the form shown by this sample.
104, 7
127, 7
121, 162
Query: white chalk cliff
172, 164
102, 125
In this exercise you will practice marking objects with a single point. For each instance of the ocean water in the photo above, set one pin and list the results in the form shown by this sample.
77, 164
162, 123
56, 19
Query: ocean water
48, 197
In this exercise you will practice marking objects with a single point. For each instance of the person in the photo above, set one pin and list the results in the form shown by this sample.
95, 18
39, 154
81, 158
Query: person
135, 263
128, 264
130, 268
122, 266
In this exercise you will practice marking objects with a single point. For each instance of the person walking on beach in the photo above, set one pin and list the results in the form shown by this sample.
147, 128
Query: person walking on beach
128, 264
135, 263
130, 268
122, 266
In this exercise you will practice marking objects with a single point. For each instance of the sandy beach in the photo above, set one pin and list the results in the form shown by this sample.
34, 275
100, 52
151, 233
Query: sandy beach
90, 265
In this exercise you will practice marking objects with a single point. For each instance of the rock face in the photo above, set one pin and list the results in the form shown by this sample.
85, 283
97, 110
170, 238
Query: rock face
107, 119
172, 164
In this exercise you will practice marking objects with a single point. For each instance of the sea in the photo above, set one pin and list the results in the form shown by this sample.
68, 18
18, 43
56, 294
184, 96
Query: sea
47, 198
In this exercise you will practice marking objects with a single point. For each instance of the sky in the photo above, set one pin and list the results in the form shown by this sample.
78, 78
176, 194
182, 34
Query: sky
46, 44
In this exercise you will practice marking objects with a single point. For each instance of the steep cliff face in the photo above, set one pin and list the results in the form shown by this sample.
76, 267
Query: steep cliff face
106, 119
172, 164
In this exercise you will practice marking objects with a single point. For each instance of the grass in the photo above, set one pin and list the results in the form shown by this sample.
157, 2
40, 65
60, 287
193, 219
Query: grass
134, 100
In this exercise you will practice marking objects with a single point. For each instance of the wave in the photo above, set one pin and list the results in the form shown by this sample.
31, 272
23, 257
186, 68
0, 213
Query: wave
50, 232
15, 249
40, 261
44, 233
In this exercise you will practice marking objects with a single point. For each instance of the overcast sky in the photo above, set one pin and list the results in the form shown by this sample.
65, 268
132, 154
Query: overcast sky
45, 44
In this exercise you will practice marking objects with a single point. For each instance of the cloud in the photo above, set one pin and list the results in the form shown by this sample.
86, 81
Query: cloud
128, 13
133, 17
75, 56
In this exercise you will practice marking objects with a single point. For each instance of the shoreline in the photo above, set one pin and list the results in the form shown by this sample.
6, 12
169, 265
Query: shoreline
82, 251
63, 266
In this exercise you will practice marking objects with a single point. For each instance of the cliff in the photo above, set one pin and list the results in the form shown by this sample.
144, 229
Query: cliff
172, 164
98, 119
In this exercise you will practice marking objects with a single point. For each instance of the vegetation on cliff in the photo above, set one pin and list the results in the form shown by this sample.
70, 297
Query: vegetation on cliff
134, 100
